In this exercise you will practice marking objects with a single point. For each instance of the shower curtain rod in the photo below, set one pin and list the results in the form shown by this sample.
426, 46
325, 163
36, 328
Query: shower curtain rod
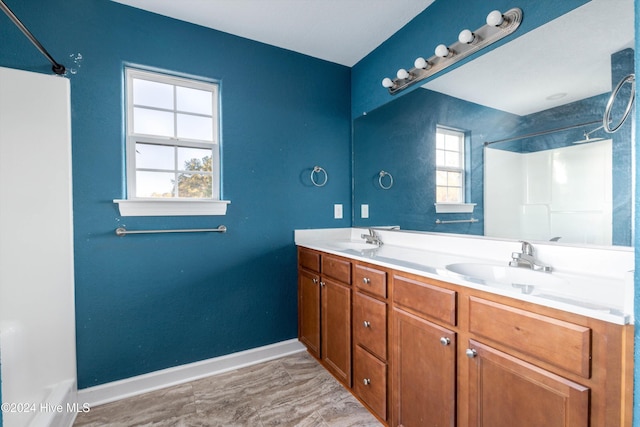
544, 132
57, 68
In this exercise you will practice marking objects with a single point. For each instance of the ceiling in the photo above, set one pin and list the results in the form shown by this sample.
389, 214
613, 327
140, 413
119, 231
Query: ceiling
340, 31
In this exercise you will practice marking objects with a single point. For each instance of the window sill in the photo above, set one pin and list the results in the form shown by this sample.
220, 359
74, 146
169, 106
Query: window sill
153, 207
455, 207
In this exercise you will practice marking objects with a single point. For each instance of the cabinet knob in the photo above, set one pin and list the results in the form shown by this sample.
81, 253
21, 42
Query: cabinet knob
315, 281
322, 284
366, 280
445, 341
366, 381
366, 323
471, 353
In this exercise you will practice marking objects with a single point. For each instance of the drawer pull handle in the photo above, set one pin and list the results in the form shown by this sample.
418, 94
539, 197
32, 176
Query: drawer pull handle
445, 341
471, 353
367, 324
366, 381
366, 280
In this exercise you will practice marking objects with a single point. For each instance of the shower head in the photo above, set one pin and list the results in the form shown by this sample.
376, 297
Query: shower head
587, 137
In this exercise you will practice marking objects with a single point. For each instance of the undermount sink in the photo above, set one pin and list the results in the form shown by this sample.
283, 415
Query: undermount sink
516, 277
353, 245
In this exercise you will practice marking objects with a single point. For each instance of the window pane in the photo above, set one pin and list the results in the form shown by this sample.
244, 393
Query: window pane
194, 185
151, 122
151, 156
454, 195
439, 158
441, 194
454, 179
194, 159
452, 159
154, 184
194, 127
152, 94
452, 142
441, 178
439, 141
194, 100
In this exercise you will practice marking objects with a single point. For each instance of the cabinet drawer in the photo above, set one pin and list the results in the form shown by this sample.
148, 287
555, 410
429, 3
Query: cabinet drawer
371, 280
370, 324
309, 259
370, 381
425, 299
336, 268
562, 344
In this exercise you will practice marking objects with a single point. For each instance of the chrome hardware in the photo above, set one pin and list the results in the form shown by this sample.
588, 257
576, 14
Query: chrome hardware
445, 341
315, 281
121, 231
322, 284
366, 280
372, 237
471, 353
367, 324
366, 381
526, 258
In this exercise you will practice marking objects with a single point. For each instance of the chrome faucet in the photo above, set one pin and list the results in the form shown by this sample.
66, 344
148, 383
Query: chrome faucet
372, 238
526, 258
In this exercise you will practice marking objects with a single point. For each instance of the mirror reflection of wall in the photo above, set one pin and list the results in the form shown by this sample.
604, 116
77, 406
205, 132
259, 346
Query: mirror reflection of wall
400, 138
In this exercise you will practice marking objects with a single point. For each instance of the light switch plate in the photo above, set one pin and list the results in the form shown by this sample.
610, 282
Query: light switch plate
337, 211
364, 211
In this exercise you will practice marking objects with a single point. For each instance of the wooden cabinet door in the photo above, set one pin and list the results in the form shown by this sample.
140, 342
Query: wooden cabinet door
424, 386
505, 391
309, 311
336, 328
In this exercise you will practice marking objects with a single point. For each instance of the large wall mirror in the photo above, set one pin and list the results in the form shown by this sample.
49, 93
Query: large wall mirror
537, 164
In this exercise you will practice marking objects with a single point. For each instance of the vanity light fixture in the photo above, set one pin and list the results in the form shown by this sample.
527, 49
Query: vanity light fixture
498, 26
495, 18
419, 63
443, 51
402, 74
466, 37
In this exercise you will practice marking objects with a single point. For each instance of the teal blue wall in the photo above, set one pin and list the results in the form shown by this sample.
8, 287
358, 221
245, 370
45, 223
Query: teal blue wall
150, 302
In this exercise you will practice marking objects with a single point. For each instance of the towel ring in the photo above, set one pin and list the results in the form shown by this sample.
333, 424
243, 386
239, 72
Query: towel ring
318, 170
382, 175
631, 78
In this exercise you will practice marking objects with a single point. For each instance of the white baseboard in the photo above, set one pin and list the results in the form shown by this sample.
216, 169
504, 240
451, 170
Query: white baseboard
110, 392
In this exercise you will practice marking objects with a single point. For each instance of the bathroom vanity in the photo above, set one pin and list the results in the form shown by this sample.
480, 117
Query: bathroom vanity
422, 342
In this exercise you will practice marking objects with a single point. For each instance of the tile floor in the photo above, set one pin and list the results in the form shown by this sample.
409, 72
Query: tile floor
292, 391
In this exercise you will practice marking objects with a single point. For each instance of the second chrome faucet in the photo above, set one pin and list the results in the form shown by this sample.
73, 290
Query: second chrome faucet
527, 259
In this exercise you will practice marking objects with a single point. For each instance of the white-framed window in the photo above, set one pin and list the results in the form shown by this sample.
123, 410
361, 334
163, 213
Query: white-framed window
450, 165
172, 145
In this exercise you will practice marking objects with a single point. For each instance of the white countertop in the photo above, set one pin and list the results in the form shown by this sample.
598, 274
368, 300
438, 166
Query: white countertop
602, 288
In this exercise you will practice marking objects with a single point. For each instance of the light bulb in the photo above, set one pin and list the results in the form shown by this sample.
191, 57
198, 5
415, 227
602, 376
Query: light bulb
387, 82
402, 74
421, 63
495, 18
442, 51
466, 36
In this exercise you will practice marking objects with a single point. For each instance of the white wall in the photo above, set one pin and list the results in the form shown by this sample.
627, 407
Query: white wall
37, 326
564, 192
